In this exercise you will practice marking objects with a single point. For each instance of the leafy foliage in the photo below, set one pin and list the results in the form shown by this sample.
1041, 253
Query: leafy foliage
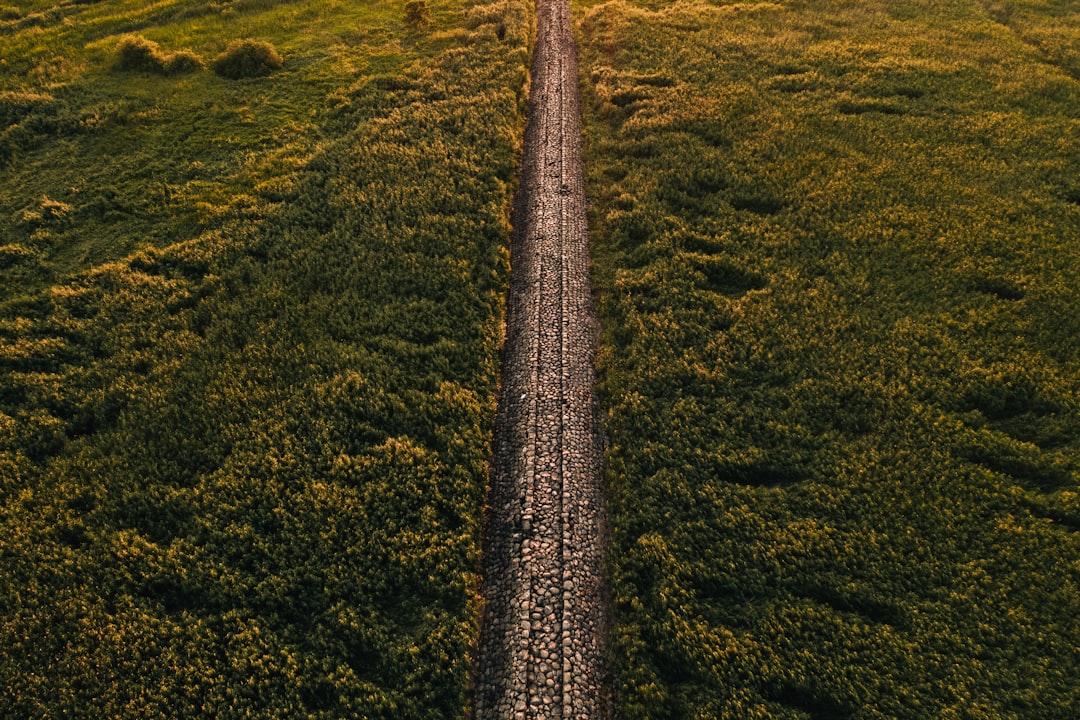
835, 252
249, 342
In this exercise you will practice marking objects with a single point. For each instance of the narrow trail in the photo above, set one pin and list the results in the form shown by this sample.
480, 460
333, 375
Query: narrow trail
542, 649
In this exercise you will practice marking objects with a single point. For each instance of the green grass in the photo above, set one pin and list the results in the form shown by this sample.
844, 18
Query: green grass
835, 248
159, 157
249, 333
249, 337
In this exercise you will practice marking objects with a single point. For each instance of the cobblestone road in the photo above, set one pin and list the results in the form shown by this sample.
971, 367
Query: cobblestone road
542, 646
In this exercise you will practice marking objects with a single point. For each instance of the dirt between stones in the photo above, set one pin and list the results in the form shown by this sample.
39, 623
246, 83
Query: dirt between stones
542, 651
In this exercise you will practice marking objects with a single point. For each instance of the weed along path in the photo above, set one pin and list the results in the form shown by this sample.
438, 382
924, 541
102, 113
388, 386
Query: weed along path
541, 651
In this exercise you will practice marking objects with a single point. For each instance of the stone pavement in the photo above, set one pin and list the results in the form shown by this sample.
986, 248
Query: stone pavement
542, 651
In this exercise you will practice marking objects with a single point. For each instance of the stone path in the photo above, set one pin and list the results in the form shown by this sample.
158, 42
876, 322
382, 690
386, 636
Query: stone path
542, 650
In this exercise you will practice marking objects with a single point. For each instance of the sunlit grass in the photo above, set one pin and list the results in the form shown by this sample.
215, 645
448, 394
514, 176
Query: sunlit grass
147, 137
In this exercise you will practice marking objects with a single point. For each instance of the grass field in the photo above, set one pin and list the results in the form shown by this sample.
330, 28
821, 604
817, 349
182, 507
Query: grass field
836, 249
250, 321
249, 330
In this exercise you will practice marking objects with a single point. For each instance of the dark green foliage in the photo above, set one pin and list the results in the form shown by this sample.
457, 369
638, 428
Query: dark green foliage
16, 106
837, 269
247, 59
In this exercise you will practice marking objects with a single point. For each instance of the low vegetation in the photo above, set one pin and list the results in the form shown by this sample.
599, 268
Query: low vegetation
248, 350
247, 59
835, 246
417, 14
138, 54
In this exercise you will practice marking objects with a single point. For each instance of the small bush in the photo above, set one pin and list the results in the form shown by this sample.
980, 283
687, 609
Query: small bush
137, 54
184, 61
10, 13
54, 209
47, 212
417, 14
247, 58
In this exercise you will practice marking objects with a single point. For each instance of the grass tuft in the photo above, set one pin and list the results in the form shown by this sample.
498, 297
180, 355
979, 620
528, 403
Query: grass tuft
18, 104
417, 14
247, 59
137, 54
183, 62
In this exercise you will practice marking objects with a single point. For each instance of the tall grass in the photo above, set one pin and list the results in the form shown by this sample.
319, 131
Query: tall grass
248, 339
834, 249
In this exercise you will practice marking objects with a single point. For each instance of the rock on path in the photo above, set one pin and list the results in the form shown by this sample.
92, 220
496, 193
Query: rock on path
542, 648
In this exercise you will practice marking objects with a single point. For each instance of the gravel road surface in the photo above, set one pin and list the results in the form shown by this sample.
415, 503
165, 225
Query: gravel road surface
542, 650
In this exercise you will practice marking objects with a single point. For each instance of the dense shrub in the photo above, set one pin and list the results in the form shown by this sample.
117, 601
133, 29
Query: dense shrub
12, 254
247, 59
417, 14
137, 54
183, 61
16, 105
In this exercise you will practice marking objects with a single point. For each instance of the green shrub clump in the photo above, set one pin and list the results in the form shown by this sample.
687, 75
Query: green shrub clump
246, 59
137, 54
417, 14
184, 61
